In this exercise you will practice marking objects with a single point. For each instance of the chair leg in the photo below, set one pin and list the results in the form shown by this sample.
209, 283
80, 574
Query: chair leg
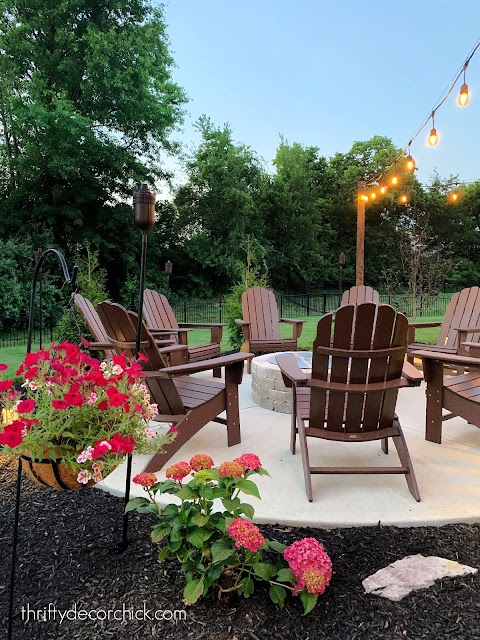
293, 428
385, 445
232, 409
217, 372
302, 436
403, 454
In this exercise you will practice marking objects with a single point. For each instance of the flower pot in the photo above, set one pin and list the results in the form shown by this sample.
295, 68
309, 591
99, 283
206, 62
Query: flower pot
52, 473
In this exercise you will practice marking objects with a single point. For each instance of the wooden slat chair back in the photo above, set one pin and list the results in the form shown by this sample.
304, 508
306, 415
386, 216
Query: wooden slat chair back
260, 307
460, 324
463, 311
359, 294
261, 323
357, 363
160, 318
93, 322
187, 401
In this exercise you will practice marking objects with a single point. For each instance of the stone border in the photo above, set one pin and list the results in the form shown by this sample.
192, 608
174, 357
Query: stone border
268, 389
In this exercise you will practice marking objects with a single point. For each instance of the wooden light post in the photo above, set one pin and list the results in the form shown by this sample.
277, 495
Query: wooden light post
360, 232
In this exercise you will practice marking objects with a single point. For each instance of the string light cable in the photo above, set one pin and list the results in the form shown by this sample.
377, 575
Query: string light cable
462, 100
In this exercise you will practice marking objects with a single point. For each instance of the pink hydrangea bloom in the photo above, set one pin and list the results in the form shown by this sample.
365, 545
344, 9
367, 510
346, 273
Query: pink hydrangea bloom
249, 461
308, 560
246, 534
314, 580
145, 479
201, 461
232, 469
178, 471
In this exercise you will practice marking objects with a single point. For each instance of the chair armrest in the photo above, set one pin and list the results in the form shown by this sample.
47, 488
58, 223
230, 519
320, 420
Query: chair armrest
101, 346
359, 388
292, 321
291, 372
243, 323
201, 325
204, 365
447, 358
156, 330
216, 329
174, 347
411, 373
424, 325
467, 329
297, 326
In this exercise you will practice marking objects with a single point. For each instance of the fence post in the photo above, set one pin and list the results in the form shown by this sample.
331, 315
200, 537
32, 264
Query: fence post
220, 302
308, 305
184, 311
324, 303
281, 305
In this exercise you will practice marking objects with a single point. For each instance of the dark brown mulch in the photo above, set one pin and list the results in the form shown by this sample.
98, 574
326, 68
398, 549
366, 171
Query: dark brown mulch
68, 557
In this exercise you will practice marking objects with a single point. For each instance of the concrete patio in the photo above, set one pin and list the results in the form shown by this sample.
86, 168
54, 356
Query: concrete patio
448, 475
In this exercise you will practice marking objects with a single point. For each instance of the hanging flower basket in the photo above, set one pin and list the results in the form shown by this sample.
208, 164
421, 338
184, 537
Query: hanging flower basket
77, 418
53, 473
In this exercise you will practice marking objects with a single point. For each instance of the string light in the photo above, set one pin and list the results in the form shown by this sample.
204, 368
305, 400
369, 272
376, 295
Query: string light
463, 96
463, 99
409, 161
404, 199
433, 137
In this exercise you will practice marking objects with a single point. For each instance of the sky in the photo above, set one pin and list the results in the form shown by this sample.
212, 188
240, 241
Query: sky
329, 73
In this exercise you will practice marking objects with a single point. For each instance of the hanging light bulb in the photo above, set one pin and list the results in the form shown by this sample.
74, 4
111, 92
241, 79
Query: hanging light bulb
383, 189
454, 196
373, 195
463, 96
433, 137
409, 161
403, 199
394, 180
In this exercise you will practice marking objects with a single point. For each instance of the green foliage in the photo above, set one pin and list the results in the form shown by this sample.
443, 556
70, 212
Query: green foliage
252, 276
216, 549
217, 206
91, 283
86, 108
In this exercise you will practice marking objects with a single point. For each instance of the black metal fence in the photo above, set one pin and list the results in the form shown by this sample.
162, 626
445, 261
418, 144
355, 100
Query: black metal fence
289, 306
318, 304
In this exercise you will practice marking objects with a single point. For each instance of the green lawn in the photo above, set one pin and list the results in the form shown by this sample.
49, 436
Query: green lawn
12, 356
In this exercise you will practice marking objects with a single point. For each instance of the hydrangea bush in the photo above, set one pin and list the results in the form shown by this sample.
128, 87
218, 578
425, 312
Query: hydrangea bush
88, 413
223, 549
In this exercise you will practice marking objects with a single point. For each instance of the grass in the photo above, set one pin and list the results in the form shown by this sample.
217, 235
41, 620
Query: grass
12, 356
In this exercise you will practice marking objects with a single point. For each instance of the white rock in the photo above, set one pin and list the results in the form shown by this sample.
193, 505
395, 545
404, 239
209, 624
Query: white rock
413, 572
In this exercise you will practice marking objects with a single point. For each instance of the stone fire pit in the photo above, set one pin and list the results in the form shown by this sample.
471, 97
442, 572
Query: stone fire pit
268, 389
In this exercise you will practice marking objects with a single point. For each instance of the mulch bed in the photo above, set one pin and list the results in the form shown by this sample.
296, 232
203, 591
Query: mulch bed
68, 557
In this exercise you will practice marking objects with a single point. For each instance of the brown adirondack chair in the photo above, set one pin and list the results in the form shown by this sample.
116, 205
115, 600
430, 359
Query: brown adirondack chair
93, 322
101, 341
460, 326
161, 321
458, 394
357, 361
261, 324
359, 294
183, 400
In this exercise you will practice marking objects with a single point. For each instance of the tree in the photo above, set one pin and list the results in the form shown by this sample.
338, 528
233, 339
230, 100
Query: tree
296, 212
87, 105
217, 206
